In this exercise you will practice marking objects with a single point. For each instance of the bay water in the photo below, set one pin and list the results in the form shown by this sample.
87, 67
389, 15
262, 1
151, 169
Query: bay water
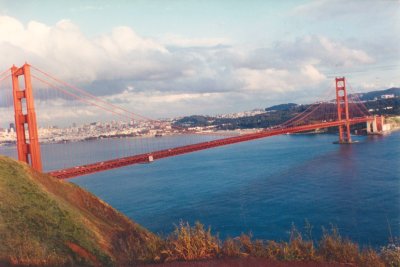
262, 187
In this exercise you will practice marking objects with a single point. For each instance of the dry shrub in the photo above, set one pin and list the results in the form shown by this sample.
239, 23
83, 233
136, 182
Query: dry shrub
369, 258
191, 243
197, 243
252, 248
391, 255
231, 248
244, 246
259, 249
298, 249
333, 248
274, 250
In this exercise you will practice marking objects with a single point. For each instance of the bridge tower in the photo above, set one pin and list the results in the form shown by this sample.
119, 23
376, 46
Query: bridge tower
343, 110
25, 118
377, 125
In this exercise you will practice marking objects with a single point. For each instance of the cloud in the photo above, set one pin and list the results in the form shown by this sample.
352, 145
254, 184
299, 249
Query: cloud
169, 103
312, 74
280, 80
310, 49
71, 55
54, 116
339, 55
266, 79
176, 75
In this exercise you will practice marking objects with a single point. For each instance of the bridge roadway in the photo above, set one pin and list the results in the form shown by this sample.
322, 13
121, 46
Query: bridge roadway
145, 158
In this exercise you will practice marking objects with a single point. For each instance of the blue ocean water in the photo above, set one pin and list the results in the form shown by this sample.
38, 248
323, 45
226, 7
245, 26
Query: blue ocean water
263, 187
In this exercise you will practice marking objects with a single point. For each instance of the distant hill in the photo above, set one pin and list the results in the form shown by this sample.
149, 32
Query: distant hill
48, 222
282, 107
196, 120
375, 95
278, 114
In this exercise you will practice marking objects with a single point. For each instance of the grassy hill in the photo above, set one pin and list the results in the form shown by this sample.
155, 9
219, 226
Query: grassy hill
44, 221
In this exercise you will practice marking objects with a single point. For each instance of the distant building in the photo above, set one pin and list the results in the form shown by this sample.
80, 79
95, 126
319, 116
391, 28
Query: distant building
12, 127
387, 96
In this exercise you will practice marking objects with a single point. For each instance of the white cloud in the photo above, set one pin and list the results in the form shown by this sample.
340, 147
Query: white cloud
176, 75
312, 73
318, 50
56, 116
157, 97
123, 40
172, 103
340, 55
272, 80
276, 81
66, 51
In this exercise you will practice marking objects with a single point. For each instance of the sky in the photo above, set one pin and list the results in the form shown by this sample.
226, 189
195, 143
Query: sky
166, 58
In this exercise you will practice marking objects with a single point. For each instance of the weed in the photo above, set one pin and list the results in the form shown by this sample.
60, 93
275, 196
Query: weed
191, 243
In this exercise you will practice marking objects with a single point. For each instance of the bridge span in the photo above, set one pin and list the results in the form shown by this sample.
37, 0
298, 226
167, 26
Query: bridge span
341, 111
148, 157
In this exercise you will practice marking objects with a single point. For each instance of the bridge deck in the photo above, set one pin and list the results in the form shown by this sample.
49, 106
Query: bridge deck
144, 158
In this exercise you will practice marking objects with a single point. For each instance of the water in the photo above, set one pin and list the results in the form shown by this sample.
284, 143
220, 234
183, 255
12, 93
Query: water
65, 155
264, 186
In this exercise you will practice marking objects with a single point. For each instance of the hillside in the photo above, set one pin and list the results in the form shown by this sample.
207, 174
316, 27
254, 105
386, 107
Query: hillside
278, 114
281, 107
44, 221
374, 95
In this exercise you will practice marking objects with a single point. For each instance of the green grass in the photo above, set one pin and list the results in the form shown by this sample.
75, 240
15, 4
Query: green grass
36, 226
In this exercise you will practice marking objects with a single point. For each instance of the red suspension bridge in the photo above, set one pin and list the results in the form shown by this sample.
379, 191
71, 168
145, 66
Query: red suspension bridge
341, 112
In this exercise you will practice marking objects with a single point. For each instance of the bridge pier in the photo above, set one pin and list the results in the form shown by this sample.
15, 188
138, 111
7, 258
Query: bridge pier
377, 125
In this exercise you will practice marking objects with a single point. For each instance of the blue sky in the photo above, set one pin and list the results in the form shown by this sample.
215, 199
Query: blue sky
170, 58
154, 18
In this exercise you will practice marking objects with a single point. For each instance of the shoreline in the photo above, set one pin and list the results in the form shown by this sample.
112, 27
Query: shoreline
394, 121
217, 133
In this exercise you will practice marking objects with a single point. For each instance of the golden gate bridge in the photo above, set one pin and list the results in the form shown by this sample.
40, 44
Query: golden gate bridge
342, 111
